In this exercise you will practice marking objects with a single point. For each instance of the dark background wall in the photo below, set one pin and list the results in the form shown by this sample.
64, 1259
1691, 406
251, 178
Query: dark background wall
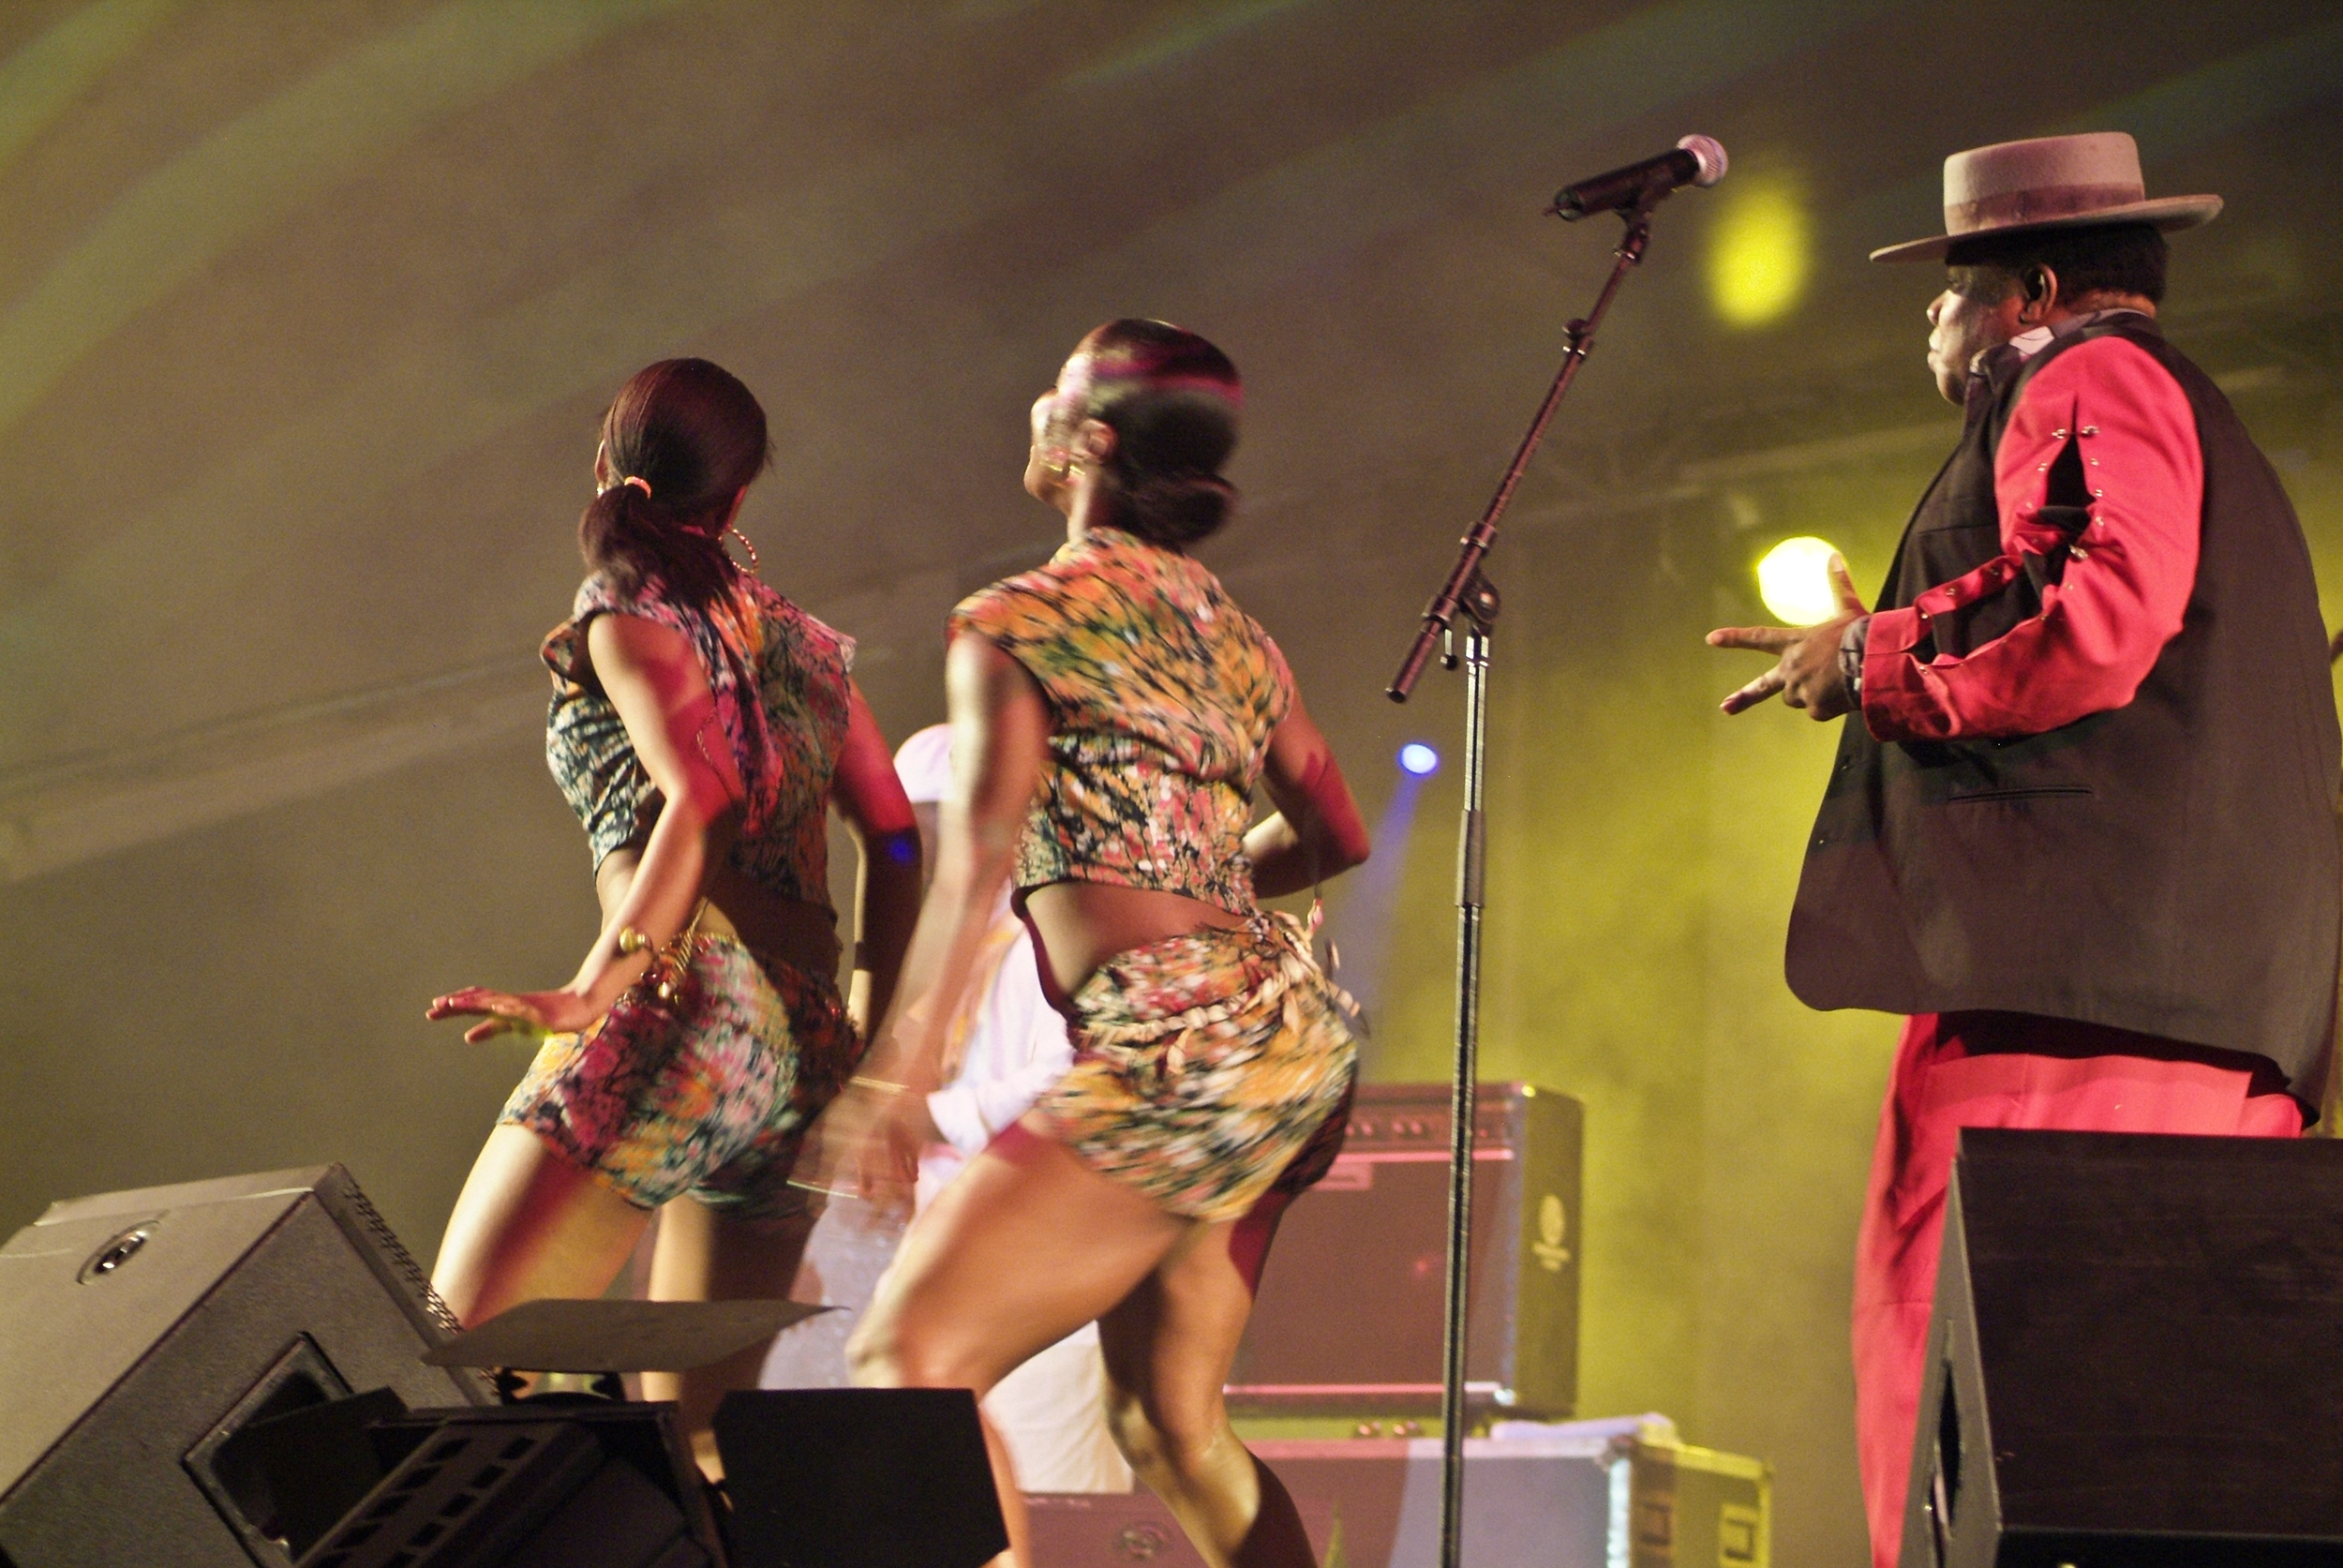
308, 312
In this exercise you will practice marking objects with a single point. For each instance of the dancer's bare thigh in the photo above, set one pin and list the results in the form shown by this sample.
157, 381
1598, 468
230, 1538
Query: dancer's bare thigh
1171, 1342
1025, 1245
529, 1223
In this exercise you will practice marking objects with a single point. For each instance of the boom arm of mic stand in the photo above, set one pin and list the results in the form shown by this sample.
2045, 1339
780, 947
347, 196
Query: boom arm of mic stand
1440, 614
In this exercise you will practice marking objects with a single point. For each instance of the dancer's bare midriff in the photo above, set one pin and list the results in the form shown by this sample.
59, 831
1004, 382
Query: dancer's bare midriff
1079, 925
788, 930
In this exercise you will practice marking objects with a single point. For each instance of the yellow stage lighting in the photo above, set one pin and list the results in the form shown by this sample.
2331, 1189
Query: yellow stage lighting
1794, 580
1758, 254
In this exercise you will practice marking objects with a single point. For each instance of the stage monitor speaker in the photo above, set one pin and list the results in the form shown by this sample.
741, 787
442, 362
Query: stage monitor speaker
146, 1329
566, 1482
858, 1478
2136, 1355
1350, 1307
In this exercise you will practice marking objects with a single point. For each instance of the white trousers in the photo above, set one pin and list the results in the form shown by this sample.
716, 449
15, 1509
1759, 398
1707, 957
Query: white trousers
1051, 1413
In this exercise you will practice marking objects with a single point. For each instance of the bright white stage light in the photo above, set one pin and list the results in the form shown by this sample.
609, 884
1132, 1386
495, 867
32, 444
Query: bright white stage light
1794, 580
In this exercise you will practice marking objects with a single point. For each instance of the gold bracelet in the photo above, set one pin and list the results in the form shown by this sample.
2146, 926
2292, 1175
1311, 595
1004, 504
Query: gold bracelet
885, 1087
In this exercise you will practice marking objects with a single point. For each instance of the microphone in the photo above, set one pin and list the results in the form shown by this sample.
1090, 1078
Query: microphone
1697, 160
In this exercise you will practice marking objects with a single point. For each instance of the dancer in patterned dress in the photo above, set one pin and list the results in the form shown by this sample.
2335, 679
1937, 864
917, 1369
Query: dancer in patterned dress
701, 726
1112, 712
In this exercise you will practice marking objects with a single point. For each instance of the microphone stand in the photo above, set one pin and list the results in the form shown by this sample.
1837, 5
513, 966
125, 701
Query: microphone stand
1467, 594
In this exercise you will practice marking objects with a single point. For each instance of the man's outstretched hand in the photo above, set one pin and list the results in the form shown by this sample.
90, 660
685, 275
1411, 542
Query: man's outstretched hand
1806, 671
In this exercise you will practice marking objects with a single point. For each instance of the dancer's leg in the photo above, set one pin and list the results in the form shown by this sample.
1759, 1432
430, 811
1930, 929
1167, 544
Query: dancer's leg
703, 1254
1025, 1245
531, 1223
1168, 1347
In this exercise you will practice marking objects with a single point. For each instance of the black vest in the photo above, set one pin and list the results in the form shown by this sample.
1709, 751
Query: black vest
2170, 866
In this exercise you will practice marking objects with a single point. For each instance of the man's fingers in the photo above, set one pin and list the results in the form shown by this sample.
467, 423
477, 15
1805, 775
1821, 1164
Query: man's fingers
1758, 639
1755, 692
1843, 584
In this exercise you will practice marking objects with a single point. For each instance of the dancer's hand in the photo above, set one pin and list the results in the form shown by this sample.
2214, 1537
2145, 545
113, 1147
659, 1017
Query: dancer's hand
897, 1125
514, 1012
868, 1144
1806, 674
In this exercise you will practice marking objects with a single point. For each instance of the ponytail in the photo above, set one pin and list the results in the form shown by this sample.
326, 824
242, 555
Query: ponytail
623, 536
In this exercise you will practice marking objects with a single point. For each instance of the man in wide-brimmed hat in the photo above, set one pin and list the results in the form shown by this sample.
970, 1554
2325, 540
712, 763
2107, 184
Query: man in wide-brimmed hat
2083, 832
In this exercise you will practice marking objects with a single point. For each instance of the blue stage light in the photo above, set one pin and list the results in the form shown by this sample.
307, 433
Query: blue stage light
1418, 758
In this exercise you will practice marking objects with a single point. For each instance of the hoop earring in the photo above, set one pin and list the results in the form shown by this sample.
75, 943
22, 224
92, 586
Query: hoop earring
744, 544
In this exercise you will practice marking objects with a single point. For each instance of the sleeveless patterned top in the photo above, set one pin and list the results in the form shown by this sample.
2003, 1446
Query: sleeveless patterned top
779, 679
1164, 694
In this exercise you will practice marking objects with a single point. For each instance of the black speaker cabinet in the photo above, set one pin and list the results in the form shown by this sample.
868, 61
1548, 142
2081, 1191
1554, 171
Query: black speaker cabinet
140, 1332
2136, 1355
1350, 1311
859, 1478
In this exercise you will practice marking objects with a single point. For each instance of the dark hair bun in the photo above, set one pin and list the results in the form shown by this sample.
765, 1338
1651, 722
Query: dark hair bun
1171, 400
1177, 509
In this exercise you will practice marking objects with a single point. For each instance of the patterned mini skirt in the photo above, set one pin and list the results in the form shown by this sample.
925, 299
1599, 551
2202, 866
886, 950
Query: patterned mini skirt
1206, 1068
710, 1098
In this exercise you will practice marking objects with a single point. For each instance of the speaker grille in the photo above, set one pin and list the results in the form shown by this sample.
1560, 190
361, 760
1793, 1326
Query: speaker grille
395, 1250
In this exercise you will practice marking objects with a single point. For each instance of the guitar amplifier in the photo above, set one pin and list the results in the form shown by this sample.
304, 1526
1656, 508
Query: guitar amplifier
1347, 1320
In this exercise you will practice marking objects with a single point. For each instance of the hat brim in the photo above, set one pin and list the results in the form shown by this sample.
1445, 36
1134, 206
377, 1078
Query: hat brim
2169, 214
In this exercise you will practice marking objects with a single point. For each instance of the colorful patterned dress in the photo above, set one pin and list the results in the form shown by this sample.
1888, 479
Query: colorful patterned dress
710, 1095
1211, 1067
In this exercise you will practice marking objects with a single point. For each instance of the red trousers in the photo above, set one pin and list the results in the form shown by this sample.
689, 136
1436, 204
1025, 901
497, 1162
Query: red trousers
2010, 1070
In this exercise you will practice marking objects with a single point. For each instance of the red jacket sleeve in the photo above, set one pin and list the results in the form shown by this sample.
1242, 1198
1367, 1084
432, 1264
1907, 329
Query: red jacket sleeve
2126, 580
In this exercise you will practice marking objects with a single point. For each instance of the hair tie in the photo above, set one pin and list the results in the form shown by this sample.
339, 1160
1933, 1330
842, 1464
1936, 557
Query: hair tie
639, 482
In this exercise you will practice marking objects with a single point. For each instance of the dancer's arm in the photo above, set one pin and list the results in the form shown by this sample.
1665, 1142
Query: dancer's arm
872, 1134
654, 681
870, 799
1000, 735
1316, 832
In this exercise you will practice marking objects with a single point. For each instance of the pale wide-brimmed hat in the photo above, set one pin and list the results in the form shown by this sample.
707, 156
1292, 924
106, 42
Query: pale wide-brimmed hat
2052, 182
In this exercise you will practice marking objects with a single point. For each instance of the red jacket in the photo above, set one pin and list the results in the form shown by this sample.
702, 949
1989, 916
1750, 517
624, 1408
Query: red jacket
2127, 581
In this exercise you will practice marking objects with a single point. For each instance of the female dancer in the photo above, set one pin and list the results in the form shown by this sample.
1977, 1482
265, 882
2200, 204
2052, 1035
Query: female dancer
700, 725
1118, 708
